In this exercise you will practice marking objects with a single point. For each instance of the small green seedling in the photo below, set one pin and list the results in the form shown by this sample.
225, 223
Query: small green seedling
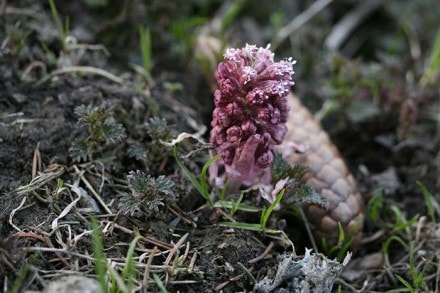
147, 193
265, 214
202, 186
340, 249
101, 129
417, 277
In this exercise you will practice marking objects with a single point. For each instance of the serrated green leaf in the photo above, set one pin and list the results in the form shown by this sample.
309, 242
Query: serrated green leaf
129, 204
137, 151
148, 190
139, 182
82, 111
113, 132
158, 128
80, 150
164, 185
298, 193
282, 169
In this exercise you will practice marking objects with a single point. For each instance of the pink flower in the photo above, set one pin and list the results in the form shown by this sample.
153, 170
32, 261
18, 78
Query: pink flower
250, 111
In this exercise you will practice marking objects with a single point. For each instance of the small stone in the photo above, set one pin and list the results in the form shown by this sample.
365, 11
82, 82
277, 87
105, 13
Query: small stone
359, 266
19, 98
73, 284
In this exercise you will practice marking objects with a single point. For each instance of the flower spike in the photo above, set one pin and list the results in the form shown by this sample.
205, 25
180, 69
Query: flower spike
250, 111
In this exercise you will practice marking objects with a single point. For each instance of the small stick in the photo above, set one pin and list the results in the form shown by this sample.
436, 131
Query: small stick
80, 69
144, 238
90, 187
11, 215
308, 229
261, 256
47, 242
174, 249
185, 219
192, 262
148, 267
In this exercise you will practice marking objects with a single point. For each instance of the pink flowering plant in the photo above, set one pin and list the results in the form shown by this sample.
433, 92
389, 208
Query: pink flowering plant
250, 114
249, 120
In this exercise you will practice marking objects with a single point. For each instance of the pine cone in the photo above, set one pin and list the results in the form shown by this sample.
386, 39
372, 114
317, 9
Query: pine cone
328, 174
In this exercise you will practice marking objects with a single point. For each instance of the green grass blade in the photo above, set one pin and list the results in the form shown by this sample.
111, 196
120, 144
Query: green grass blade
341, 237
428, 200
434, 60
398, 290
159, 283
404, 282
375, 204
235, 204
226, 204
401, 223
56, 16
66, 27
191, 177
20, 279
344, 248
59, 24
387, 243
223, 192
145, 44
266, 213
100, 258
205, 171
117, 281
129, 269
